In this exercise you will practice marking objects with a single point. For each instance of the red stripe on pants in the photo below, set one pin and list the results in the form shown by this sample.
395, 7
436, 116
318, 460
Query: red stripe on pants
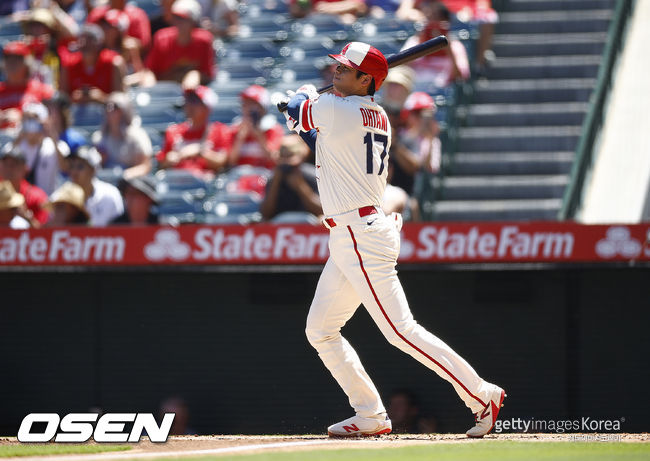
395, 329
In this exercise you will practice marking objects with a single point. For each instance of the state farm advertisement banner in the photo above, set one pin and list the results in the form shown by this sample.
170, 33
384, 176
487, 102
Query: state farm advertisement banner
427, 243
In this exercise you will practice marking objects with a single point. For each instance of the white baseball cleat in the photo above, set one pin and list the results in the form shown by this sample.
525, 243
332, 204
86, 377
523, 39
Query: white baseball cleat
359, 426
486, 419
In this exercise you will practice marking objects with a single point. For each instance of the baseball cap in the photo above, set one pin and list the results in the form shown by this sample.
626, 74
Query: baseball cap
256, 93
37, 109
189, 9
89, 154
118, 19
16, 49
207, 96
12, 150
145, 184
419, 100
364, 58
123, 102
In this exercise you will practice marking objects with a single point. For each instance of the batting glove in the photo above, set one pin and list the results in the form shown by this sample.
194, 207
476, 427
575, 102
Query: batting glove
309, 90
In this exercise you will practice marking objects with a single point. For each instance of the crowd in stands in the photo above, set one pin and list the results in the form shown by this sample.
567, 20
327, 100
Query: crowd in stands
83, 134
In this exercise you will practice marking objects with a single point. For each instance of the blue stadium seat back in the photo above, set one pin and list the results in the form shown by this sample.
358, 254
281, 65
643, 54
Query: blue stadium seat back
5, 137
87, 115
175, 219
228, 181
224, 114
295, 217
232, 219
274, 27
308, 49
323, 23
151, 7
110, 175
161, 91
9, 29
247, 69
178, 180
387, 44
373, 29
251, 48
256, 7
156, 137
177, 202
236, 203
160, 115
307, 70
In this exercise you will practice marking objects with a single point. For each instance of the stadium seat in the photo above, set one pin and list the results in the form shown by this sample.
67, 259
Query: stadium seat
89, 115
177, 203
177, 180
243, 179
110, 175
151, 7
295, 217
9, 29
236, 203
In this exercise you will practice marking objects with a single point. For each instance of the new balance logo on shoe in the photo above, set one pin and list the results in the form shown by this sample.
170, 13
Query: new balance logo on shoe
351, 428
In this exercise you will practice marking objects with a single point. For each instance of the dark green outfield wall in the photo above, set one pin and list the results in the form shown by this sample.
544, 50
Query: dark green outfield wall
565, 343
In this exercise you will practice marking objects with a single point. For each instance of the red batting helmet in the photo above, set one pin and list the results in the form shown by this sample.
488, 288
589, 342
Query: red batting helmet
364, 58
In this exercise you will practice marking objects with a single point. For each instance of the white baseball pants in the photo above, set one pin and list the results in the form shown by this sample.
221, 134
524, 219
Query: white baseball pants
361, 269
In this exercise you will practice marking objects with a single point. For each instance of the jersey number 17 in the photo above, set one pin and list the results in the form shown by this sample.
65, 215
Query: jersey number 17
368, 141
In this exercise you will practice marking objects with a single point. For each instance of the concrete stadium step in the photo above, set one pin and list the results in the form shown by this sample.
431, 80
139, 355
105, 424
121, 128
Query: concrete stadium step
503, 187
552, 22
512, 163
514, 45
545, 5
526, 114
497, 210
534, 90
572, 66
518, 139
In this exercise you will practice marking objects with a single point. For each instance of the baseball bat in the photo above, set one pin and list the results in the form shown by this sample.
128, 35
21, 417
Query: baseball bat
394, 60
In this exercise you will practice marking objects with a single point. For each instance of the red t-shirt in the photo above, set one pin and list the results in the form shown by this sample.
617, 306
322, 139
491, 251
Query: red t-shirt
101, 76
35, 198
181, 134
167, 53
139, 26
15, 97
251, 153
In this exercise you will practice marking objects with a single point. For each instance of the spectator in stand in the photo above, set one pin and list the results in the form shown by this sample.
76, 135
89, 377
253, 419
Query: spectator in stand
293, 185
396, 88
140, 198
115, 23
60, 123
347, 10
10, 204
184, 47
13, 168
403, 411
121, 142
46, 29
94, 72
220, 17
67, 205
256, 135
478, 12
103, 200
139, 27
443, 67
19, 88
196, 145
43, 154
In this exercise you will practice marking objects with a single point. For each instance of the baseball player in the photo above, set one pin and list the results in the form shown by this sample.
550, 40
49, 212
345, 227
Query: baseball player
350, 135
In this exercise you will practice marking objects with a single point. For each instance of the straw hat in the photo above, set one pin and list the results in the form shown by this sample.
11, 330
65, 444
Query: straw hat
9, 198
72, 194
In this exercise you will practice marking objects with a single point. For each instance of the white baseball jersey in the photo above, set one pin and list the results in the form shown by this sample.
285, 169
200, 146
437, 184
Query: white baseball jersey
351, 150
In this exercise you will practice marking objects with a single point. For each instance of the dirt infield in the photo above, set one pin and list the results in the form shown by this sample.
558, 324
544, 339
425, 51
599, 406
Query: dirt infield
179, 446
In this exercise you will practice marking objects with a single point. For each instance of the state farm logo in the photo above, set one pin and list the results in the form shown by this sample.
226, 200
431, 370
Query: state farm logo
167, 244
618, 242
